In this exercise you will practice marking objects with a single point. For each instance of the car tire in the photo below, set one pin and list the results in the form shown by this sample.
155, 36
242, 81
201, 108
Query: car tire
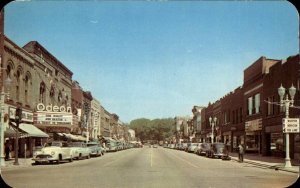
59, 159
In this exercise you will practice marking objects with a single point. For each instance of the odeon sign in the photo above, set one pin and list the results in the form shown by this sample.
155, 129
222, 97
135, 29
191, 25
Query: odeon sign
53, 108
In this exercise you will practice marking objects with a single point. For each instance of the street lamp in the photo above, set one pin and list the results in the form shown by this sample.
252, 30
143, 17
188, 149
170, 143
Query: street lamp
18, 118
7, 84
213, 122
287, 103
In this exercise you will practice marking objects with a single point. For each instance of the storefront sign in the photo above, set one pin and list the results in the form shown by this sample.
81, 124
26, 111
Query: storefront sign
290, 125
53, 108
26, 115
254, 125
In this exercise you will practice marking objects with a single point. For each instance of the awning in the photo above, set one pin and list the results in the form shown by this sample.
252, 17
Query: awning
31, 130
9, 132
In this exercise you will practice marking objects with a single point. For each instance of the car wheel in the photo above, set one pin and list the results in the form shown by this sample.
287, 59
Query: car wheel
59, 159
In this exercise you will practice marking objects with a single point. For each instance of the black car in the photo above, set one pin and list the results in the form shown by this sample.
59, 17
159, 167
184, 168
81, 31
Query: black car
217, 150
203, 148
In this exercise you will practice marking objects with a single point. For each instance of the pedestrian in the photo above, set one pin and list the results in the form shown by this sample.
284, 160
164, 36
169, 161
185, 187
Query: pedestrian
7, 150
241, 153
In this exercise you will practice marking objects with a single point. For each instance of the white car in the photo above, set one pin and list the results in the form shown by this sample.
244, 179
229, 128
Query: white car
192, 147
54, 151
79, 150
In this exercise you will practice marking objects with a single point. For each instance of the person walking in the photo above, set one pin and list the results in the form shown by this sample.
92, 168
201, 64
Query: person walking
241, 153
7, 150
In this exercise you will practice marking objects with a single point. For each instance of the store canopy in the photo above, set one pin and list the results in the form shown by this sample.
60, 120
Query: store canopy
31, 130
9, 132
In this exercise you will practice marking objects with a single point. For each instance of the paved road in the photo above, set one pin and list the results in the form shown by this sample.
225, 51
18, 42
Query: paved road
148, 167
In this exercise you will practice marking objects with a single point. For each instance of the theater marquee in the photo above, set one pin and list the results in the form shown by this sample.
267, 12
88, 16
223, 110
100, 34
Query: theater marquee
53, 115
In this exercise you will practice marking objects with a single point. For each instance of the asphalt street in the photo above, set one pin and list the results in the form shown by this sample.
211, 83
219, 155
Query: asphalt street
148, 167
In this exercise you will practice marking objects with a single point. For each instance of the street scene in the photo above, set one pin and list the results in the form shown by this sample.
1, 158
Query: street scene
149, 167
149, 94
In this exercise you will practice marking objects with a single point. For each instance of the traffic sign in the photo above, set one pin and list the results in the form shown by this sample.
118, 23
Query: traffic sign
290, 125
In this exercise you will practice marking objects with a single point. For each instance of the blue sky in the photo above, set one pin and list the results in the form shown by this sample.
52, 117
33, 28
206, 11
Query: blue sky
156, 59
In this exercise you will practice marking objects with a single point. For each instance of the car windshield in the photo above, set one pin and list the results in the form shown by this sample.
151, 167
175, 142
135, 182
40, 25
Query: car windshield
75, 144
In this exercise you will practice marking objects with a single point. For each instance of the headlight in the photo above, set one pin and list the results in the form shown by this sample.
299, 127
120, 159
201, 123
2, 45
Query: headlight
52, 153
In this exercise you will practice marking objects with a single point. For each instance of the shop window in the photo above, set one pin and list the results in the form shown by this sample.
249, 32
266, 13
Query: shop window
276, 146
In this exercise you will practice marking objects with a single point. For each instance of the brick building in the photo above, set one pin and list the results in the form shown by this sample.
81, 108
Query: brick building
283, 72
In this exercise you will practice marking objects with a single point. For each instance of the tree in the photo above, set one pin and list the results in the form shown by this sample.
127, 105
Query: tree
157, 129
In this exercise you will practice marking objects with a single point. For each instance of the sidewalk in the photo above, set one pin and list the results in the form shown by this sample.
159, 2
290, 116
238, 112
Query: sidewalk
275, 163
22, 163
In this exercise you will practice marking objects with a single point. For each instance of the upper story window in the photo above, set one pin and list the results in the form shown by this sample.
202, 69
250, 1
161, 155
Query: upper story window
250, 105
42, 92
257, 103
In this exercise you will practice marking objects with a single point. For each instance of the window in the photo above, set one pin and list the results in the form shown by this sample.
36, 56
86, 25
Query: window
269, 106
17, 93
250, 106
26, 96
257, 103
42, 92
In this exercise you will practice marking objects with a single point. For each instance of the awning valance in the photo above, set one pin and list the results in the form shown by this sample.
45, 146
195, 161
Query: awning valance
31, 130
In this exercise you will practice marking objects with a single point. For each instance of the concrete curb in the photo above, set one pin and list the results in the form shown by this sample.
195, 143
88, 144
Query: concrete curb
275, 167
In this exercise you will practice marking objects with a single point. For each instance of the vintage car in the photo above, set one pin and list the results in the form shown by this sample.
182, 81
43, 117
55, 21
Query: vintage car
217, 150
79, 150
192, 147
95, 149
54, 151
203, 148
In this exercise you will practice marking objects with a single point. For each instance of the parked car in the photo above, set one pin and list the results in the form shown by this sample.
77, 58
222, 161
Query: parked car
80, 150
184, 146
192, 147
54, 151
95, 149
203, 148
217, 150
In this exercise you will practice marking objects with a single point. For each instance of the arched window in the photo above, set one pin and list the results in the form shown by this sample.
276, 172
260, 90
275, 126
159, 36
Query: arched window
52, 91
59, 97
42, 92
26, 83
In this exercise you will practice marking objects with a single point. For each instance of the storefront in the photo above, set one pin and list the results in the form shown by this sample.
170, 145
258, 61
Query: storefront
275, 145
253, 130
28, 132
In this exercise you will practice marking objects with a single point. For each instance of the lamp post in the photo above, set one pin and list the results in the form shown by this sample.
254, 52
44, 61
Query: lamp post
213, 122
7, 84
287, 103
18, 118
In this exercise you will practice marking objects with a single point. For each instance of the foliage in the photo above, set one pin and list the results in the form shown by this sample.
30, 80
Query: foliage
157, 129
